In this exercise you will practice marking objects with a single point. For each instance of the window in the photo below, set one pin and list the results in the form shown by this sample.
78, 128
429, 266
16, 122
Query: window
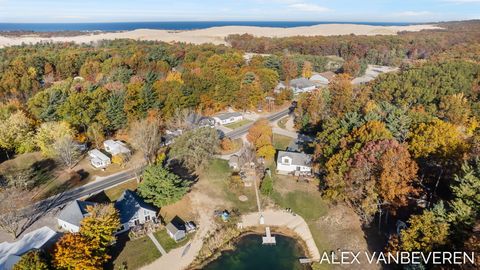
147, 218
136, 222
286, 160
298, 168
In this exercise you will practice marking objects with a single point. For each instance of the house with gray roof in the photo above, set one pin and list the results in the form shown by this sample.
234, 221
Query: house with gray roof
72, 214
294, 163
134, 211
298, 85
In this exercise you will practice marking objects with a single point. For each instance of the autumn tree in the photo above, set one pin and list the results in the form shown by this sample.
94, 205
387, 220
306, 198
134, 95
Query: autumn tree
95, 134
32, 260
49, 133
425, 232
289, 68
260, 135
195, 148
74, 251
161, 187
436, 138
16, 133
146, 136
101, 224
342, 95
455, 109
382, 172
307, 69
351, 66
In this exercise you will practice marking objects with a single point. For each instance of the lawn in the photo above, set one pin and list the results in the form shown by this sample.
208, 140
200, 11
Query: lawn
115, 192
168, 243
238, 124
217, 178
282, 122
134, 253
281, 142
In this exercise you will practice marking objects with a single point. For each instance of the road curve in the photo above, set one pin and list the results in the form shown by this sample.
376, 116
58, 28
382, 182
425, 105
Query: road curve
239, 132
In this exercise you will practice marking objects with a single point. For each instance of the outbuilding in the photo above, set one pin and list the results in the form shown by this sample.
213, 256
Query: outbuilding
293, 162
98, 159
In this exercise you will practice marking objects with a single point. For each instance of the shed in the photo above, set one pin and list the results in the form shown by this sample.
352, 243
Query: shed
176, 229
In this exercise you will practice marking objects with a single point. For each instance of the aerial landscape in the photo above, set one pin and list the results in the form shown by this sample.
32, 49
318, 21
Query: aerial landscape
239, 135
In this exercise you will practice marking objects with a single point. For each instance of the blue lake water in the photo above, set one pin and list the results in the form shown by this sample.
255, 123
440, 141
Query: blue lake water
180, 25
250, 254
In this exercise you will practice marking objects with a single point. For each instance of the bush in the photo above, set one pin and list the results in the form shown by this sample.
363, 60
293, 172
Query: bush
266, 187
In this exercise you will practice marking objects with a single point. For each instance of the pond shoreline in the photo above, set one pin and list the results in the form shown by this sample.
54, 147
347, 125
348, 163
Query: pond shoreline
260, 231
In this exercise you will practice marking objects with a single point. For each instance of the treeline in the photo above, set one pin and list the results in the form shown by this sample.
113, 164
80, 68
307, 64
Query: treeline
406, 146
380, 50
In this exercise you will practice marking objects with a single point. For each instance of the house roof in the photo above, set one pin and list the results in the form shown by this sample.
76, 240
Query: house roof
328, 75
95, 153
116, 146
74, 212
9, 252
298, 159
129, 204
176, 225
301, 83
224, 116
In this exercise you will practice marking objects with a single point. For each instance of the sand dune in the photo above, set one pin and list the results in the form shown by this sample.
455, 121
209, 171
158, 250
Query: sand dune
216, 35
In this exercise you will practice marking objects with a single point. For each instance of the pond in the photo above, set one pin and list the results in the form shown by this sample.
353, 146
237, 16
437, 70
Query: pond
251, 254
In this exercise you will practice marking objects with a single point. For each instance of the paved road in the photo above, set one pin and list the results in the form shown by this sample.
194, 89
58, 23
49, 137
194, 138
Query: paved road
237, 133
83, 191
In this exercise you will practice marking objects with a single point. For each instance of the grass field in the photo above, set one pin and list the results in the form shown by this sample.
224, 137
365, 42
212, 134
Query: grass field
282, 122
238, 124
114, 193
135, 253
281, 142
168, 243
217, 177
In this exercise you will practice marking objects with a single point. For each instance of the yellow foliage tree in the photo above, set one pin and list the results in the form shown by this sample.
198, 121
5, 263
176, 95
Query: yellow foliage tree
101, 224
436, 138
425, 233
174, 76
260, 135
76, 252
307, 69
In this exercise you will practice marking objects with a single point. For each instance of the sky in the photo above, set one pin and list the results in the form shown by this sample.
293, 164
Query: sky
76, 11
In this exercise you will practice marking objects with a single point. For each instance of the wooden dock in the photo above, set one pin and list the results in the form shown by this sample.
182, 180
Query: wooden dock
305, 260
268, 239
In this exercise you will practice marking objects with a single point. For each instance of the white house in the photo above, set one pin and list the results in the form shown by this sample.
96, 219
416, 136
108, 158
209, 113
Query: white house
98, 159
176, 229
133, 211
227, 118
115, 147
10, 253
292, 162
72, 214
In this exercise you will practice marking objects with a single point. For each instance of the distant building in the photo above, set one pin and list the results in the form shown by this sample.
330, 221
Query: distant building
116, 147
134, 211
98, 159
227, 118
176, 229
10, 253
72, 214
294, 163
322, 79
299, 85
372, 72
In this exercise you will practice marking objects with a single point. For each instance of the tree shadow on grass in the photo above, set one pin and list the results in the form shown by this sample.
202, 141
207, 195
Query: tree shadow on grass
116, 249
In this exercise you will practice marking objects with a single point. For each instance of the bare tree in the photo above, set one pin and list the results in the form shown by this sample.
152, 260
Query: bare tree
181, 119
146, 136
12, 202
20, 177
66, 151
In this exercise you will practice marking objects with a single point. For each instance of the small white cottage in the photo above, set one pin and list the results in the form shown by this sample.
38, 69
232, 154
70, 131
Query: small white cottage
294, 163
98, 159
227, 118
